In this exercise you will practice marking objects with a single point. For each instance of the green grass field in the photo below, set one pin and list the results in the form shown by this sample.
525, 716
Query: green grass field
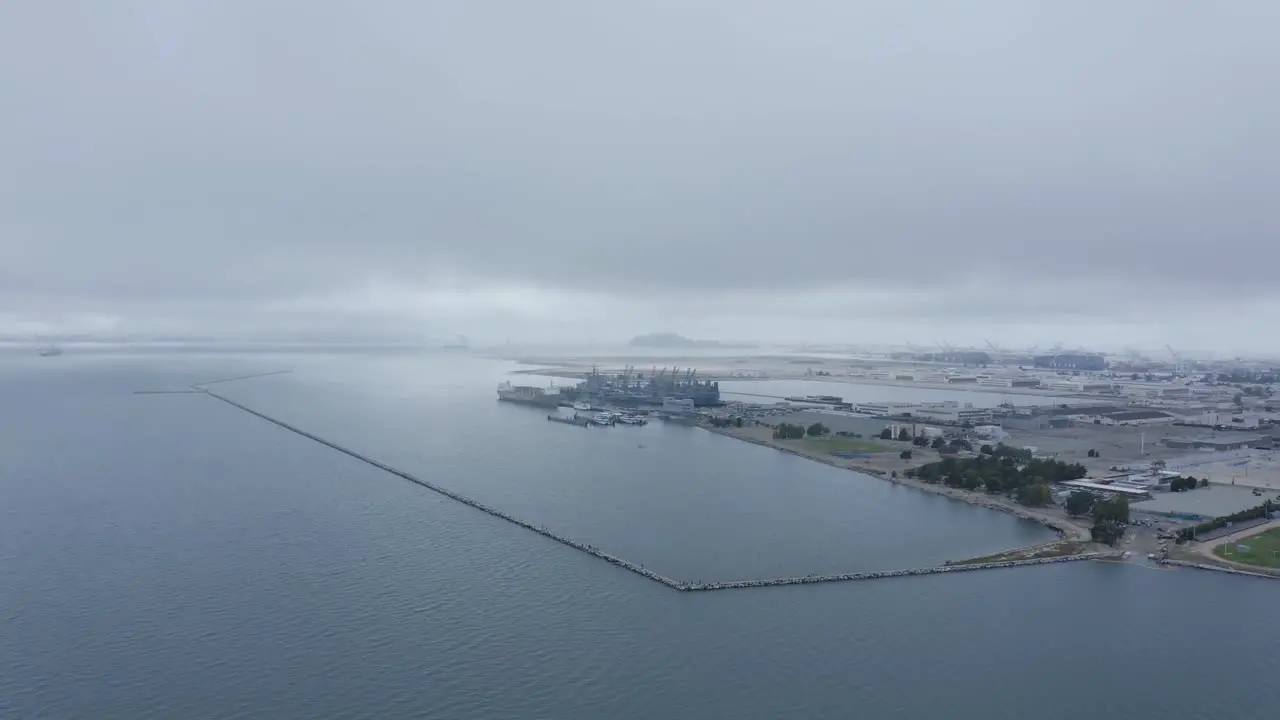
844, 444
1264, 550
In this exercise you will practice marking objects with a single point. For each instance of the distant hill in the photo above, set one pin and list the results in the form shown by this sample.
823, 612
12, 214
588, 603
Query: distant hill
670, 340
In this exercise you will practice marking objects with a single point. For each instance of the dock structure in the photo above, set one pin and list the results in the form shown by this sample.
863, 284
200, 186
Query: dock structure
636, 568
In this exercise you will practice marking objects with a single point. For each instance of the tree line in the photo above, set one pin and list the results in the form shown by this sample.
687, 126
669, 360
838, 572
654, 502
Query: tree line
939, 443
1003, 470
1261, 511
787, 431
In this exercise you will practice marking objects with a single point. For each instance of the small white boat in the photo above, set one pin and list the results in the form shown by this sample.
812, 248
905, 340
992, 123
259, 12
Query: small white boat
603, 418
581, 405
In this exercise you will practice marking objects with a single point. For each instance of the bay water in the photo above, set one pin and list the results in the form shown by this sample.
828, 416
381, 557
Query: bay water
172, 556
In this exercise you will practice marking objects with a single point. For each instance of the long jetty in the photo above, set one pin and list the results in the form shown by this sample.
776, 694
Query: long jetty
626, 564
1220, 568
583, 547
881, 574
200, 385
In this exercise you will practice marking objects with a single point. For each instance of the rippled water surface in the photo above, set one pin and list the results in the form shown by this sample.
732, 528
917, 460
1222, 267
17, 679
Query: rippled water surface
170, 556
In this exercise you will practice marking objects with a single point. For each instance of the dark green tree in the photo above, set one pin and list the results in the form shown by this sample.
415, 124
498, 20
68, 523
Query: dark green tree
1035, 495
1079, 503
886, 434
787, 431
1107, 531
1115, 510
817, 430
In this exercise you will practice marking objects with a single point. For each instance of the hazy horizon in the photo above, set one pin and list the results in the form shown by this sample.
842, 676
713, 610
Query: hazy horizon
1088, 174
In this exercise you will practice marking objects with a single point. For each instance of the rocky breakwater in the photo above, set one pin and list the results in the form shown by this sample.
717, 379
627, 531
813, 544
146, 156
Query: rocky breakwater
539, 529
880, 574
1221, 568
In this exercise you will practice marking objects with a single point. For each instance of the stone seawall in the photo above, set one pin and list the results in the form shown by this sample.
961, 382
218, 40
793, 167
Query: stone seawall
880, 574
583, 547
1220, 568
200, 385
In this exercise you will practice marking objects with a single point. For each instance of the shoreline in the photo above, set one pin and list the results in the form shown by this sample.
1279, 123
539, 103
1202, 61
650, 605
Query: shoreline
569, 372
1067, 531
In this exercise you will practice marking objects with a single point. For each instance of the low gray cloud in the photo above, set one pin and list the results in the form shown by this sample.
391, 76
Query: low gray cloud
205, 162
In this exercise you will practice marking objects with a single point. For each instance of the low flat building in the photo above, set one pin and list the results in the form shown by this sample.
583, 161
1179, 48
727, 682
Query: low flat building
1136, 417
883, 409
996, 381
954, 415
1212, 418
1064, 385
1233, 441
1156, 391
1096, 487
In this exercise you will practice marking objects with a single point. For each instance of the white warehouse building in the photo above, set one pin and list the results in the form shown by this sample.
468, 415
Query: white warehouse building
1076, 385
954, 415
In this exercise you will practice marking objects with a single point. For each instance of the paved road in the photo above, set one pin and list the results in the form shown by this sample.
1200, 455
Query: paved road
1206, 549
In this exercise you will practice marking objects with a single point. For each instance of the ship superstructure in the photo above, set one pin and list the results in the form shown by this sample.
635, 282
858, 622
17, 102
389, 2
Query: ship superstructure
529, 395
631, 388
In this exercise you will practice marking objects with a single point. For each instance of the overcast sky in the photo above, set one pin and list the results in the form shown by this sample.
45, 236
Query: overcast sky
1091, 171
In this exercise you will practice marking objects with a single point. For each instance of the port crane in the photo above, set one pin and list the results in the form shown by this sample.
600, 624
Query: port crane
1180, 365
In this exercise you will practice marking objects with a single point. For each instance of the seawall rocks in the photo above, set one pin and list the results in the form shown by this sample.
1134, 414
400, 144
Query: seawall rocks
1219, 568
880, 574
583, 547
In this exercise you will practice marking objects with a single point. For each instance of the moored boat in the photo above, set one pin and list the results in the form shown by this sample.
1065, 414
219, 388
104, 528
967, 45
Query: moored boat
529, 395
